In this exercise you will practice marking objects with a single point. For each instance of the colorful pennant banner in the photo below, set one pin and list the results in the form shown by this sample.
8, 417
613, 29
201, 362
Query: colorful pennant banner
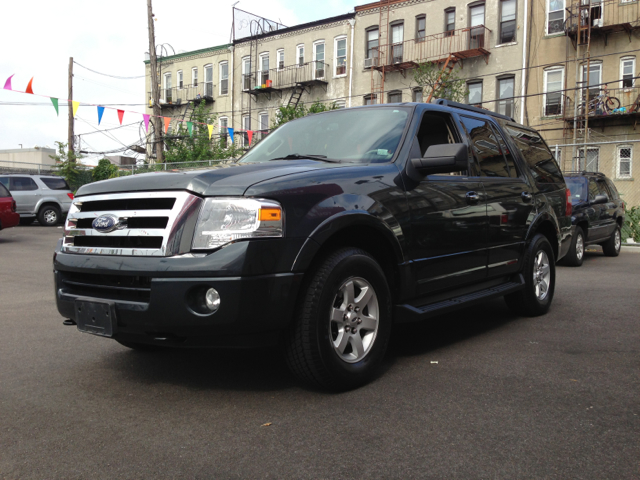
146, 121
210, 128
167, 121
100, 112
249, 136
75, 107
190, 128
230, 132
7, 84
30, 87
55, 105
120, 115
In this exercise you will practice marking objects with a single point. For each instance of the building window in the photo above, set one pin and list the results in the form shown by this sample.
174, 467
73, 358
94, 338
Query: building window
340, 47
372, 47
300, 54
224, 78
594, 80
505, 95
246, 73
624, 161
555, 16
280, 57
397, 37
223, 124
194, 76
263, 71
553, 82
246, 125
476, 22
417, 95
264, 121
507, 21
475, 94
208, 80
168, 98
449, 21
318, 57
369, 99
395, 96
180, 83
627, 71
421, 28
340, 104
591, 164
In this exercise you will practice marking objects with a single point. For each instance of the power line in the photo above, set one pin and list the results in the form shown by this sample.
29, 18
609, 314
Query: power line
107, 75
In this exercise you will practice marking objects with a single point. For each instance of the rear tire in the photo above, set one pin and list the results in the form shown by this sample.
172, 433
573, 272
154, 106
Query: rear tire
539, 280
141, 347
343, 322
575, 255
611, 247
49, 216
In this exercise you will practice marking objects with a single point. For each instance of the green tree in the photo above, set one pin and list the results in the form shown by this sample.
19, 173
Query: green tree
286, 113
183, 146
447, 84
67, 166
104, 170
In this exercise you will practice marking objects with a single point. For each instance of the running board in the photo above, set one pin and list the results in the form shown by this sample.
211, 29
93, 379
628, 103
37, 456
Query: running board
406, 313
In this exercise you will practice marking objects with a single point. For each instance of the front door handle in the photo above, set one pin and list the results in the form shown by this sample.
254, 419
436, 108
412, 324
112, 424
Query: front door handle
472, 198
526, 197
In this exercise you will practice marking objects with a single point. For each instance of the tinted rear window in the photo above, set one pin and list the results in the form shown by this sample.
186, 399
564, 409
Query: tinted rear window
578, 187
543, 166
614, 190
3, 191
20, 184
55, 183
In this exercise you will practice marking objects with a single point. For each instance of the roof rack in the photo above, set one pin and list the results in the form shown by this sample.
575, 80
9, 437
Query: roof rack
584, 172
464, 106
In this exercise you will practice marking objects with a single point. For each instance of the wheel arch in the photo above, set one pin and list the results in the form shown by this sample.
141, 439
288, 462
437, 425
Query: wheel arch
43, 202
544, 224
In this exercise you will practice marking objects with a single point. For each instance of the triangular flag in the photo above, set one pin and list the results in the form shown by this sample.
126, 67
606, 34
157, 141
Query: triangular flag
230, 132
167, 121
55, 104
7, 84
190, 128
210, 127
249, 135
29, 87
120, 115
75, 107
146, 121
100, 112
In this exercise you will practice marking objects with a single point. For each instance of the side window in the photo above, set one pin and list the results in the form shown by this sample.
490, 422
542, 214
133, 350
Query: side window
22, 183
3, 191
485, 147
537, 155
604, 189
593, 189
5, 181
508, 156
613, 189
437, 129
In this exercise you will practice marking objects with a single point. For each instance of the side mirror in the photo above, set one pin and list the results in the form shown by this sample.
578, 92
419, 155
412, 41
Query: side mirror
446, 158
600, 199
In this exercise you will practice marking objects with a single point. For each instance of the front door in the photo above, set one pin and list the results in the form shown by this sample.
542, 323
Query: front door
448, 218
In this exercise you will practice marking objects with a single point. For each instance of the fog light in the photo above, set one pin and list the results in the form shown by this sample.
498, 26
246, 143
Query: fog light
212, 299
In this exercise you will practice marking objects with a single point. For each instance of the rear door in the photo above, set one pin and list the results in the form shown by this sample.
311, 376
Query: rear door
508, 195
25, 192
596, 214
448, 217
607, 210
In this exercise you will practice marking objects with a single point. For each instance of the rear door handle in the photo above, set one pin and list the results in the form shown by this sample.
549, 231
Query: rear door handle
472, 198
526, 197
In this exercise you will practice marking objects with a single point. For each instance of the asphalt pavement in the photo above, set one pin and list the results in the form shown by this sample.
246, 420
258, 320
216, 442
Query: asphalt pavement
479, 394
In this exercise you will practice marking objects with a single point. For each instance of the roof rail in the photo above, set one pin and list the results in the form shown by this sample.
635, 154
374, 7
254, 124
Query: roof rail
464, 106
584, 172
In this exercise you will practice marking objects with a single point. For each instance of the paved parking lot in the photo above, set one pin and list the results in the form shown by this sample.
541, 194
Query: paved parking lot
477, 394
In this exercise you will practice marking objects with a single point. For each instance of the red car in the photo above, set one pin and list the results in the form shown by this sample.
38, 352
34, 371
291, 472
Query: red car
8, 215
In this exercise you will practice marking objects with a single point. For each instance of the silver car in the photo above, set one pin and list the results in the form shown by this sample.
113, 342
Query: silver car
45, 197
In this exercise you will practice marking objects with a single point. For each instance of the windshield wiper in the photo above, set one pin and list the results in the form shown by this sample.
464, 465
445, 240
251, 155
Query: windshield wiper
298, 156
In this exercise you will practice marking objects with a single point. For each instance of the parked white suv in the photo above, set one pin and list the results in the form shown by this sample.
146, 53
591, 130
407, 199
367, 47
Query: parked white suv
45, 197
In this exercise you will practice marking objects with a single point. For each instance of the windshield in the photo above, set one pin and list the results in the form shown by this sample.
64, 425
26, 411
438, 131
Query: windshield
578, 189
364, 135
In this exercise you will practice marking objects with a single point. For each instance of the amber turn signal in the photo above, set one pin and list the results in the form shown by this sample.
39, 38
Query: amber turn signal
270, 214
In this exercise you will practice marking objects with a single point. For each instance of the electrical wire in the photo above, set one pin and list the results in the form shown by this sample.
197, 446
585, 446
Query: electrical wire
108, 75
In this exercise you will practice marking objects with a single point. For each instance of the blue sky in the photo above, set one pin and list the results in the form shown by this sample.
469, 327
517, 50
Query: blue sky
38, 37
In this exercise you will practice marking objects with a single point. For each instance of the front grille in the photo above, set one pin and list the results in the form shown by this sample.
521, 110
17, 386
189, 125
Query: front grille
141, 224
112, 287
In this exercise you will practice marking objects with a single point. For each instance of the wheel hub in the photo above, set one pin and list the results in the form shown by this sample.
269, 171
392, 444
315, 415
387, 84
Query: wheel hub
541, 275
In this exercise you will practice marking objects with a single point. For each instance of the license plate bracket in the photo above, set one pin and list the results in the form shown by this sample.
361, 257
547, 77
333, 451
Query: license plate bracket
96, 317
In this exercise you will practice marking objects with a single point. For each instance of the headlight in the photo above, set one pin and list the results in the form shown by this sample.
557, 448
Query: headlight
224, 220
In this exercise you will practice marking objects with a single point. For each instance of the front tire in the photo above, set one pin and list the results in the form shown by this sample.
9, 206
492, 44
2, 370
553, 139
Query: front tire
575, 255
49, 216
539, 280
343, 322
611, 247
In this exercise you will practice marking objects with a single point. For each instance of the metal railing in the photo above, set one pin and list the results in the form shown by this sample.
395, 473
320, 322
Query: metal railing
603, 102
606, 15
176, 96
464, 43
286, 77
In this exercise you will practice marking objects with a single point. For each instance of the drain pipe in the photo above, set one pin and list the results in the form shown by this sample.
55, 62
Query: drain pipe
352, 22
231, 80
523, 87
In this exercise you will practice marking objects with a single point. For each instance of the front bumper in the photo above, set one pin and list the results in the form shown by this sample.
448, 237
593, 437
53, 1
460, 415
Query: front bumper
153, 296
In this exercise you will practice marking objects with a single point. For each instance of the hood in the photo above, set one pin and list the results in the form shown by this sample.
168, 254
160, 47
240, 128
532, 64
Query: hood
230, 179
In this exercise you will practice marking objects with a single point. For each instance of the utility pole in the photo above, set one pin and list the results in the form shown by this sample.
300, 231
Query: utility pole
158, 124
70, 135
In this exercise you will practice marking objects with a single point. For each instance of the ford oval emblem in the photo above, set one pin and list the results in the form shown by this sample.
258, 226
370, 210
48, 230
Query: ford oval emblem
105, 223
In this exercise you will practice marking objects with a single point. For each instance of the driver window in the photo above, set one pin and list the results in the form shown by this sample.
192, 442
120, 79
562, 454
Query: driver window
437, 129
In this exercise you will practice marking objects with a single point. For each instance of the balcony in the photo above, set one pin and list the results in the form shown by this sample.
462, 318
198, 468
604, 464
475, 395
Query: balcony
277, 79
622, 109
462, 43
604, 17
176, 96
